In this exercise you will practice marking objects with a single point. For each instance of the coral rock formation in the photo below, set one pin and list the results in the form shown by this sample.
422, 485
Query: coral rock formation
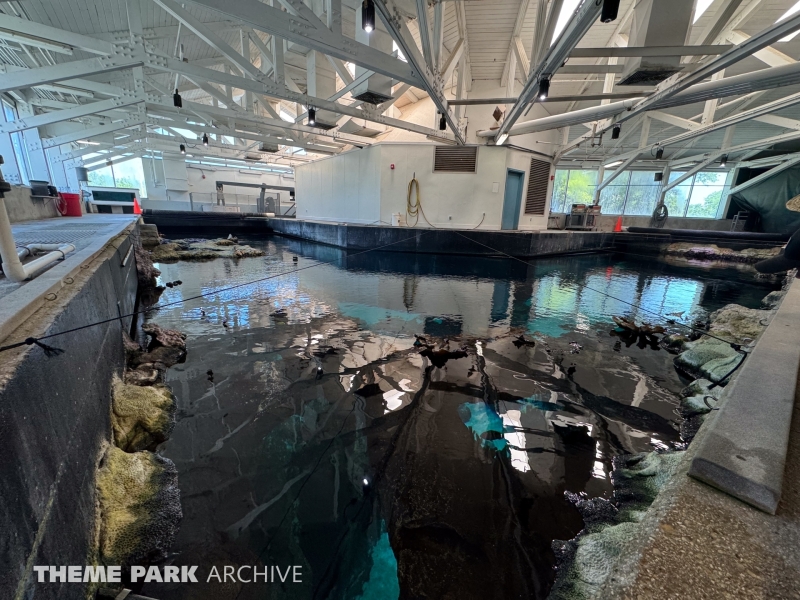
714, 252
202, 250
140, 507
141, 417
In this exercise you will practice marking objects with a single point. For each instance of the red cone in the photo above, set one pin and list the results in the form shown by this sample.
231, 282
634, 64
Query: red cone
618, 226
137, 210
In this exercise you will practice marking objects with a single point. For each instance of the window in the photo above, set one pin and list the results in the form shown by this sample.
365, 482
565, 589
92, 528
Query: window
637, 192
128, 174
573, 187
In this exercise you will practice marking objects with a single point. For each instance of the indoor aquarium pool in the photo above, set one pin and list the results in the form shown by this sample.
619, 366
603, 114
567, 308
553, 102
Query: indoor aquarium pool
407, 426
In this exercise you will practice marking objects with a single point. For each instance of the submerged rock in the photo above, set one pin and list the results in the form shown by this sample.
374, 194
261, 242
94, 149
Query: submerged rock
738, 324
140, 507
141, 417
714, 252
773, 299
708, 358
202, 250
586, 562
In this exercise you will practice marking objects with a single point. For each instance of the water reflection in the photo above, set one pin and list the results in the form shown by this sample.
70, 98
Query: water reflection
391, 465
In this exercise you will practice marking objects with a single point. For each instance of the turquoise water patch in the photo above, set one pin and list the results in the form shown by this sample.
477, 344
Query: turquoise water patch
535, 401
371, 315
550, 326
382, 583
481, 419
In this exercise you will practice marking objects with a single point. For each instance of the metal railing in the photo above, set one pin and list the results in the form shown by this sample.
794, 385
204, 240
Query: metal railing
244, 203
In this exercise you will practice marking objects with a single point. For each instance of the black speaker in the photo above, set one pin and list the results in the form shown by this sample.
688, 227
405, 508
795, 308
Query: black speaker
609, 11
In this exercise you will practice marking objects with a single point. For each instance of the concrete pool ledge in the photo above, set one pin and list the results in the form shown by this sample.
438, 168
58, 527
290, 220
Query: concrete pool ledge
743, 452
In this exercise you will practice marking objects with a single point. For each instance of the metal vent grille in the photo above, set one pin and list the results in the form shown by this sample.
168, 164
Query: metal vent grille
536, 199
455, 159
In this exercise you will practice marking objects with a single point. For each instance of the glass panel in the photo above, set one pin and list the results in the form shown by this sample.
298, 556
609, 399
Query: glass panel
559, 191
705, 200
675, 174
9, 111
623, 178
643, 178
21, 156
676, 200
641, 199
101, 177
710, 178
131, 175
612, 199
581, 188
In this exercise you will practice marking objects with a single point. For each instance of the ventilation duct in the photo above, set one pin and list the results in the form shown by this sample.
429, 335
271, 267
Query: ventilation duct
455, 159
657, 23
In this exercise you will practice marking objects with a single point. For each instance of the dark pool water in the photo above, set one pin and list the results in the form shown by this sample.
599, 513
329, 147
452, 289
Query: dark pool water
325, 439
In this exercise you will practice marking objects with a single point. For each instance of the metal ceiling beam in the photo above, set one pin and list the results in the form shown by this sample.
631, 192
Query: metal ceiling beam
550, 99
26, 78
67, 114
273, 90
299, 30
431, 82
580, 23
26, 28
637, 51
85, 134
754, 44
764, 176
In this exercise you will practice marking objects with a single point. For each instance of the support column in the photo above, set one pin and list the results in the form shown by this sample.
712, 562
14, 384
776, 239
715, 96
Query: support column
321, 84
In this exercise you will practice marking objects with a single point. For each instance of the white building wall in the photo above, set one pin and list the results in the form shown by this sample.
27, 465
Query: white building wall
362, 187
342, 188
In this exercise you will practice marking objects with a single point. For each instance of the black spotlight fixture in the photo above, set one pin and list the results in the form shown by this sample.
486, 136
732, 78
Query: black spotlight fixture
659, 153
615, 131
442, 123
658, 176
368, 15
205, 140
544, 89
312, 117
609, 11
723, 161
183, 149
176, 99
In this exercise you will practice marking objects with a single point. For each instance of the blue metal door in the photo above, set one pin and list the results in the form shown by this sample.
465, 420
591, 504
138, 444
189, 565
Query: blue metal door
512, 201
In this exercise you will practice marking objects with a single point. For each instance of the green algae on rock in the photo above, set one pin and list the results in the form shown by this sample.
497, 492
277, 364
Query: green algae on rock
140, 507
587, 561
141, 417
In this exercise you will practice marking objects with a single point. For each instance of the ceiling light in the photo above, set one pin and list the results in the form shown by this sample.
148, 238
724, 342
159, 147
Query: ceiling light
723, 161
610, 10
615, 131
702, 7
176, 99
567, 10
205, 140
501, 140
544, 89
442, 123
613, 164
88, 142
368, 15
312, 117
659, 153
183, 149
786, 15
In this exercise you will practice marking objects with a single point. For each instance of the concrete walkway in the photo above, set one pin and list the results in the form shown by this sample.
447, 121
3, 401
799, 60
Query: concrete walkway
90, 234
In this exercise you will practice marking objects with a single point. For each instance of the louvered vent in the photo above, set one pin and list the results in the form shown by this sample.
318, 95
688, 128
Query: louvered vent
539, 176
455, 159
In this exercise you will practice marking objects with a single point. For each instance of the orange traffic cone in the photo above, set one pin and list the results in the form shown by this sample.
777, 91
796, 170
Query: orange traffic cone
618, 226
137, 210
